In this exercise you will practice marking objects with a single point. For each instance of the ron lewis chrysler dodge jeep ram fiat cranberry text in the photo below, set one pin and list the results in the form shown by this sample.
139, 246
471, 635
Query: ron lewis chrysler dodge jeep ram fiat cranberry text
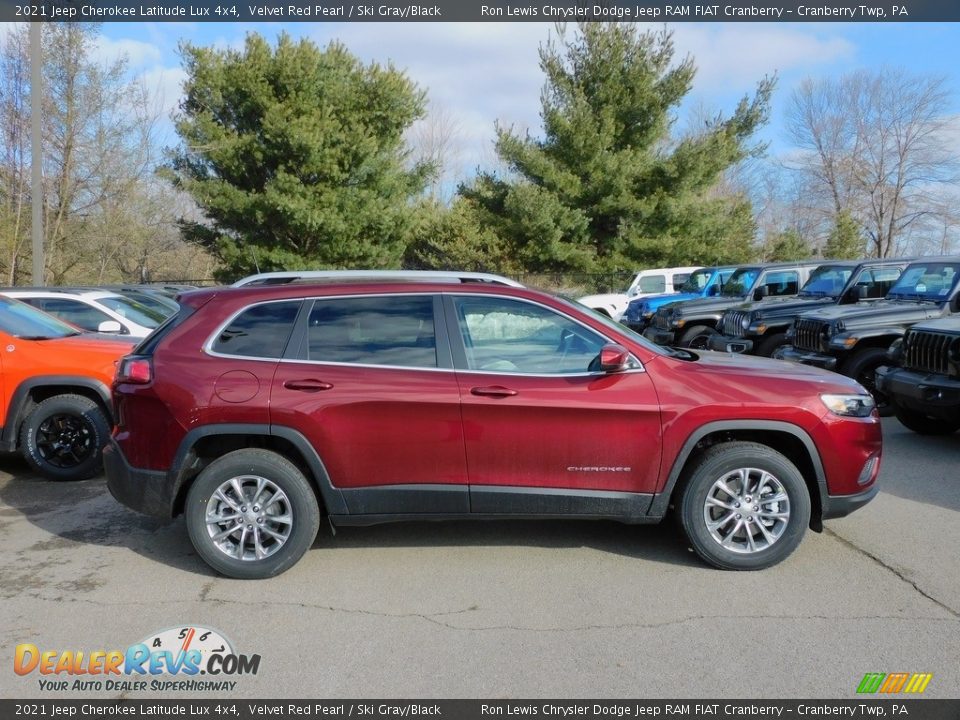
392, 398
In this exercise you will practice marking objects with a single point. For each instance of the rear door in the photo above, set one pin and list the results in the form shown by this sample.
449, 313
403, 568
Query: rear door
543, 428
371, 386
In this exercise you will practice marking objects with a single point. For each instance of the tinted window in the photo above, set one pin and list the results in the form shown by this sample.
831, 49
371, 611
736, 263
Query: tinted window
73, 311
652, 284
260, 331
23, 321
503, 335
827, 280
396, 331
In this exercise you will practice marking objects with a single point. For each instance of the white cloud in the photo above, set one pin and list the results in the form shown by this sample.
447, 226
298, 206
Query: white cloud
137, 53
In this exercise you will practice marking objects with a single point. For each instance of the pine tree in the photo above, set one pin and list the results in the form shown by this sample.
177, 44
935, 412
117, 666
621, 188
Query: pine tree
608, 186
296, 156
846, 239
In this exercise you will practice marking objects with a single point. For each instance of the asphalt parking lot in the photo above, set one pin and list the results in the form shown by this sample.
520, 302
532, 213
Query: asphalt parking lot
508, 609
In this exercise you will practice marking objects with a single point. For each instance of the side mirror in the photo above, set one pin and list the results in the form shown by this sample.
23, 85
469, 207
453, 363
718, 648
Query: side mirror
613, 358
713, 291
761, 292
862, 292
109, 326
955, 303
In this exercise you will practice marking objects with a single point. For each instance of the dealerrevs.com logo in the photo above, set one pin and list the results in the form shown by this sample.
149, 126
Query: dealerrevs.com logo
169, 660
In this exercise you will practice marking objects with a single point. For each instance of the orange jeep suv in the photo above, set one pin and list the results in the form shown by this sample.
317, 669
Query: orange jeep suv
54, 391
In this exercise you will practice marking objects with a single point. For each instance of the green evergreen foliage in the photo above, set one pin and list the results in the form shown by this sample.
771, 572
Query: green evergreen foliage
789, 245
608, 187
846, 240
296, 156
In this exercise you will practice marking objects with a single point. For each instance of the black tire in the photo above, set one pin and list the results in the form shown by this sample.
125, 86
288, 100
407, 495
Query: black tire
924, 424
862, 367
299, 503
712, 466
62, 438
697, 337
769, 345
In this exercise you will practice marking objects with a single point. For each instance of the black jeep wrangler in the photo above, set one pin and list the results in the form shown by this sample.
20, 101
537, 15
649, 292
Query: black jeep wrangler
924, 390
761, 327
853, 339
692, 323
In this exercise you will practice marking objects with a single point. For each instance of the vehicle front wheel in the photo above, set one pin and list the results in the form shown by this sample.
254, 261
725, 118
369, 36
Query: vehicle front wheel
744, 506
63, 436
251, 514
862, 367
924, 424
697, 337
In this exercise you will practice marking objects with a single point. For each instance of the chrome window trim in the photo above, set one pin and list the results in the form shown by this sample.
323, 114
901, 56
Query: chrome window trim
208, 345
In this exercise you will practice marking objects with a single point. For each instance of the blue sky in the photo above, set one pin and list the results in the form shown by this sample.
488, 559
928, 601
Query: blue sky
478, 73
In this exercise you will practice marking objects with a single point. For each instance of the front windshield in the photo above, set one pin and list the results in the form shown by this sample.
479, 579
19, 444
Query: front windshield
827, 280
697, 281
26, 322
740, 282
926, 281
134, 311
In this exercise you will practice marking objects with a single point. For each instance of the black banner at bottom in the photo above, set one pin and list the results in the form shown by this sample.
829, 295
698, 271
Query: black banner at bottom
484, 709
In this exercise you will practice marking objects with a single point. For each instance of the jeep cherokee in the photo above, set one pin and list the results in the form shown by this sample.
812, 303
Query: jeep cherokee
436, 397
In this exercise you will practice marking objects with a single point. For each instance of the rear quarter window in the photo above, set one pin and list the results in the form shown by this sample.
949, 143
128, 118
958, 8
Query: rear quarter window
260, 331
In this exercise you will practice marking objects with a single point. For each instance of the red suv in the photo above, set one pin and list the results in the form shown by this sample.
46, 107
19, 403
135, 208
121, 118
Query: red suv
408, 396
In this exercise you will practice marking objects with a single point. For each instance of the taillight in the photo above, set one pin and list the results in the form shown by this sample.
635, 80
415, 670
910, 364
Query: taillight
135, 370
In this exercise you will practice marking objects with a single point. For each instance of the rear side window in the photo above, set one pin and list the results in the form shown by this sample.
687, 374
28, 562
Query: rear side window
394, 331
679, 279
73, 311
260, 331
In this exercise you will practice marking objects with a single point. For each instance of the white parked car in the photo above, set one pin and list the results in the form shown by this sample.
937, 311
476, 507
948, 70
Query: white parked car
95, 311
647, 282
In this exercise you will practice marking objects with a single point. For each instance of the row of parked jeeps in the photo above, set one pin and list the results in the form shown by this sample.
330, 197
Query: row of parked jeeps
891, 324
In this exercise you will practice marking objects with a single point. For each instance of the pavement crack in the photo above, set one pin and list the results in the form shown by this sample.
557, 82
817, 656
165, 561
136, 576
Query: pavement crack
899, 573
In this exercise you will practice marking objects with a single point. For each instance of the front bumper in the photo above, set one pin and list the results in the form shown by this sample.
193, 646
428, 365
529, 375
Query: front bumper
837, 506
146, 491
933, 395
726, 343
806, 357
660, 337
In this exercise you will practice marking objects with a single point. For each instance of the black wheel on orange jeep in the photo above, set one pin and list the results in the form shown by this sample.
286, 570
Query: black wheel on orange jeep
63, 436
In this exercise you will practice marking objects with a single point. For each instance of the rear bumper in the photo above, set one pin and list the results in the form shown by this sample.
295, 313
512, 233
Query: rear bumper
726, 343
805, 357
146, 491
934, 395
837, 506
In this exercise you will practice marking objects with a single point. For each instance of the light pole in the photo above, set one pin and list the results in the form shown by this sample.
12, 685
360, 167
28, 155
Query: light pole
36, 151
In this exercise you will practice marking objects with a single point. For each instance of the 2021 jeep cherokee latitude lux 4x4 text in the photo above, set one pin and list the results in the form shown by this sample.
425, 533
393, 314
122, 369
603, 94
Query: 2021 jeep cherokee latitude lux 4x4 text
374, 400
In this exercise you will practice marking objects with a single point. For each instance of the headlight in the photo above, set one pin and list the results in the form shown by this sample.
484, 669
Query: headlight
895, 351
745, 323
849, 405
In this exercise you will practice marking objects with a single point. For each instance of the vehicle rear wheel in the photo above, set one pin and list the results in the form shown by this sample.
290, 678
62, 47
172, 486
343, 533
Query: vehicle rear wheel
862, 367
251, 514
697, 337
770, 345
924, 424
744, 506
63, 436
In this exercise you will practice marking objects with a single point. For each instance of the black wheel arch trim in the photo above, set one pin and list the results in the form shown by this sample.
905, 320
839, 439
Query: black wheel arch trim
661, 501
18, 400
332, 497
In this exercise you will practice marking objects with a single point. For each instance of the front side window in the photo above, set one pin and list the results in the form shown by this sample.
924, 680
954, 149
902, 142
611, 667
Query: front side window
503, 335
878, 281
260, 331
395, 331
23, 321
697, 281
133, 311
782, 282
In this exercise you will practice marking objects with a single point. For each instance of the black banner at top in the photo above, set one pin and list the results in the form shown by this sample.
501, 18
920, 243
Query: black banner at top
479, 11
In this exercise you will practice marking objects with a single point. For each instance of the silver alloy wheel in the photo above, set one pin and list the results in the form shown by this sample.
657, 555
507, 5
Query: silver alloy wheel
249, 518
747, 510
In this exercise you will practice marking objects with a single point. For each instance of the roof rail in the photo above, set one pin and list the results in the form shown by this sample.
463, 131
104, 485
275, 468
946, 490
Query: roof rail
286, 277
